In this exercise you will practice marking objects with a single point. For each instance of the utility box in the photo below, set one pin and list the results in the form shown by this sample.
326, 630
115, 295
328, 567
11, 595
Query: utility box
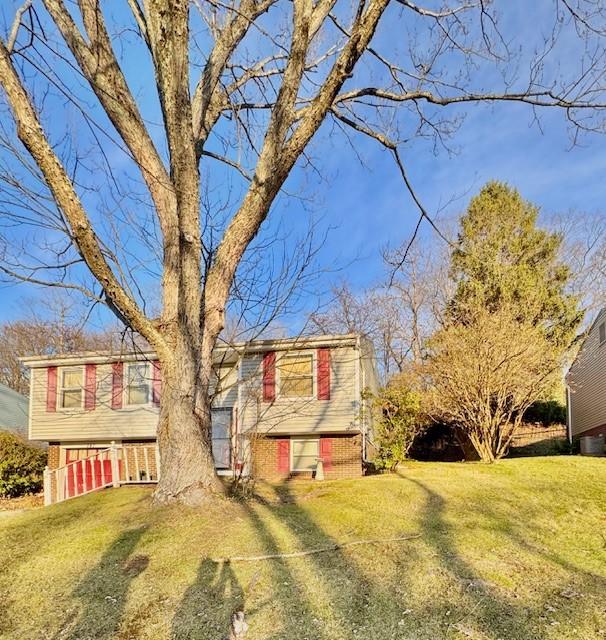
592, 445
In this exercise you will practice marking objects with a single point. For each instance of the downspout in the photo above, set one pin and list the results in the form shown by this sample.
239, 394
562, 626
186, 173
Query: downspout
568, 416
238, 441
30, 403
359, 402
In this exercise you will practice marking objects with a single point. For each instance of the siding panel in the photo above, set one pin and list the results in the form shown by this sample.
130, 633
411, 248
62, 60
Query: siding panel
294, 416
240, 380
587, 382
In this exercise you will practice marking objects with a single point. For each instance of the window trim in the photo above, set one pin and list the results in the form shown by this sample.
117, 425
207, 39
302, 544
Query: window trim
61, 388
601, 326
313, 374
125, 403
292, 453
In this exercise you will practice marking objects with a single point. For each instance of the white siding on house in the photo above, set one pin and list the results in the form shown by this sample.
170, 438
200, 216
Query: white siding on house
77, 424
241, 387
104, 422
369, 382
227, 393
587, 383
288, 415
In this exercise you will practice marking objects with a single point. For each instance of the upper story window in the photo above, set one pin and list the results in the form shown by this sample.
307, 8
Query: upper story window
137, 383
602, 330
71, 388
296, 376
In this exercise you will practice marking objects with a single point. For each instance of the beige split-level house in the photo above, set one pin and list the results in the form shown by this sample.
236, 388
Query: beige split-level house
586, 384
278, 406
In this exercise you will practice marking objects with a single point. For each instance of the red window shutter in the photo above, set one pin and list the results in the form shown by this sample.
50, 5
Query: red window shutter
156, 383
51, 389
283, 456
117, 376
323, 372
326, 452
269, 376
90, 386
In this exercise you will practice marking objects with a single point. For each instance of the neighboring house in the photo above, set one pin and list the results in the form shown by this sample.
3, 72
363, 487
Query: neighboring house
586, 384
278, 406
13, 411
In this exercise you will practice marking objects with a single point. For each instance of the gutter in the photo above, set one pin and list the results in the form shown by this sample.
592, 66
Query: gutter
222, 353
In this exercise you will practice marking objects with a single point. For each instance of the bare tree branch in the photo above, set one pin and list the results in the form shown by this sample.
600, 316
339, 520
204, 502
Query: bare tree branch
31, 134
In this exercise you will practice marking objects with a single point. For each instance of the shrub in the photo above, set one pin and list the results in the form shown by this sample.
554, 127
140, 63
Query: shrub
396, 413
21, 466
483, 375
546, 412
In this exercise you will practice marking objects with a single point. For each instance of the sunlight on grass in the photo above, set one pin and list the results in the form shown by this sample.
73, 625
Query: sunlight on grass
515, 551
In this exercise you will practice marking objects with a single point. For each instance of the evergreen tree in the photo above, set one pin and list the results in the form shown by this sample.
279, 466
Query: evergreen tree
503, 259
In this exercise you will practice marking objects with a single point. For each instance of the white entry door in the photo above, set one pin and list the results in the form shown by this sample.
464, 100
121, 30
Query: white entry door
221, 437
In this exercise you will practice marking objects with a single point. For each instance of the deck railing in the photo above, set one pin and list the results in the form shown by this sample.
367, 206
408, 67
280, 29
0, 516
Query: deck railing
111, 467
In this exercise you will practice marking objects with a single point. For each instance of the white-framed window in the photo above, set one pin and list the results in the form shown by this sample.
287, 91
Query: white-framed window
72, 392
137, 387
602, 332
296, 376
221, 437
304, 454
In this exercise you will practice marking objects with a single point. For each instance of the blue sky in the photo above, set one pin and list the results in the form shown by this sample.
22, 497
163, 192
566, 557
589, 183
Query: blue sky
365, 207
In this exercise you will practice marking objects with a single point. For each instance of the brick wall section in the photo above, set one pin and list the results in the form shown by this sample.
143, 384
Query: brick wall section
139, 467
264, 455
346, 458
596, 431
54, 455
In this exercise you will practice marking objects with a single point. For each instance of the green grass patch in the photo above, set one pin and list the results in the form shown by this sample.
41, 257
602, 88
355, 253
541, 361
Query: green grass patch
515, 550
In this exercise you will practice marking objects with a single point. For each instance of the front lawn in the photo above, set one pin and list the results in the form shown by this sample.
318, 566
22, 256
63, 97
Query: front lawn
515, 551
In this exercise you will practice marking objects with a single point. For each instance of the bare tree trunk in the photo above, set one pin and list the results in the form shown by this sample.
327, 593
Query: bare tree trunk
184, 432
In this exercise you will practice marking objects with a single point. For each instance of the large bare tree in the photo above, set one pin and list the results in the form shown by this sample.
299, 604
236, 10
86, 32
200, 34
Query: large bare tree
242, 85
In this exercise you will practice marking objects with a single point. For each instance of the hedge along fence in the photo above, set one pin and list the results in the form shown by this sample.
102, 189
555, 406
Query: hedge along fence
21, 466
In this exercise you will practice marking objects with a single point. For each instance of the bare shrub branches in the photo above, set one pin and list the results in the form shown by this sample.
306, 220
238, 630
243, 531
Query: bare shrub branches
481, 377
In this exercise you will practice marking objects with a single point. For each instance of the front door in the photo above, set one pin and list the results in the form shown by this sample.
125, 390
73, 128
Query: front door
221, 437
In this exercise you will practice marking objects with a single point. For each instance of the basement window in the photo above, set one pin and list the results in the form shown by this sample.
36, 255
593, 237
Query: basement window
304, 454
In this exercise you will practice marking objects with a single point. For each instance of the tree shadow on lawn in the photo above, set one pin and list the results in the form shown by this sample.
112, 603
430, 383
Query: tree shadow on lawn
104, 590
329, 596
488, 613
491, 612
277, 588
207, 607
580, 596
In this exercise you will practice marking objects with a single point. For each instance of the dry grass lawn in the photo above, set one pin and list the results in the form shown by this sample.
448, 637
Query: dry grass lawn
515, 551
